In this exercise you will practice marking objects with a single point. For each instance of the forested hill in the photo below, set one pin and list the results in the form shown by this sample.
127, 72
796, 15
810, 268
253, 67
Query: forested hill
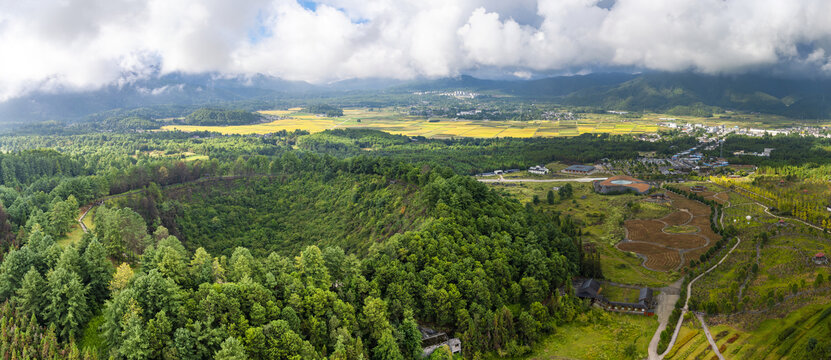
476, 264
285, 213
221, 117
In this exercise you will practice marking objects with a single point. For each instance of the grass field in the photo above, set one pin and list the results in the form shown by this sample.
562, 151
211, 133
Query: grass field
619, 293
605, 339
396, 123
74, 235
680, 229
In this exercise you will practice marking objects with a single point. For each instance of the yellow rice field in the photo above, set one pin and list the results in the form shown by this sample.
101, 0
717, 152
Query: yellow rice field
397, 123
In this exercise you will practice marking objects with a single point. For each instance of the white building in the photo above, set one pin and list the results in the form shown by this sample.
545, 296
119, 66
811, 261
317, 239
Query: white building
539, 170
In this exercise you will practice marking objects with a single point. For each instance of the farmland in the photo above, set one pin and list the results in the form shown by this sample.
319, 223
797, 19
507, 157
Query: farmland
670, 242
394, 122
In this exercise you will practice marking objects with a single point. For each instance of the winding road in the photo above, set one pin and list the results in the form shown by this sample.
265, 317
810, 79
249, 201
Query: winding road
653, 345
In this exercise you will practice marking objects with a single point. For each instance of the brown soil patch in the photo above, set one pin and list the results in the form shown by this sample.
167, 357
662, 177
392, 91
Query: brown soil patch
677, 218
651, 231
682, 241
662, 249
642, 230
657, 258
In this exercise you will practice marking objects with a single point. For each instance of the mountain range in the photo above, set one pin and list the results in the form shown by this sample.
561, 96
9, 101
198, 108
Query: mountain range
176, 93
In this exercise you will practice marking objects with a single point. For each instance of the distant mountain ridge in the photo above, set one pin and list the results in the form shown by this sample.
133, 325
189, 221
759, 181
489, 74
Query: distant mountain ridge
179, 94
798, 98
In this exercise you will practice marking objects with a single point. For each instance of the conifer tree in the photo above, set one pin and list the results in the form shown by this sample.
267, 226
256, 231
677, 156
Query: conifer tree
231, 349
29, 296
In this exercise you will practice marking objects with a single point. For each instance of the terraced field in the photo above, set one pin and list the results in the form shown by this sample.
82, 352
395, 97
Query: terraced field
661, 242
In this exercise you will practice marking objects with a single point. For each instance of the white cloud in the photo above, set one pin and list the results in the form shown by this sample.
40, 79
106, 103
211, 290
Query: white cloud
69, 45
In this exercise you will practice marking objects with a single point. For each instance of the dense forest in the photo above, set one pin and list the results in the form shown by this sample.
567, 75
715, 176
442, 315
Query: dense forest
251, 249
221, 117
324, 109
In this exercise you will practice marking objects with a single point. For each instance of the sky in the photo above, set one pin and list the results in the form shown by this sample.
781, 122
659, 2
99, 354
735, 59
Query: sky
78, 45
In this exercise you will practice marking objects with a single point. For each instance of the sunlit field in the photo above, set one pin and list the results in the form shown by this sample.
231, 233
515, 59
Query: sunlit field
397, 123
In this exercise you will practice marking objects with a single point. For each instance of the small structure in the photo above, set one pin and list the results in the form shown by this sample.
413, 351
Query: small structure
511, 171
539, 170
698, 188
432, 340
580, 169
781, 223
621, 184
588, 289
820, 259
591, 289
658, 198
645, 296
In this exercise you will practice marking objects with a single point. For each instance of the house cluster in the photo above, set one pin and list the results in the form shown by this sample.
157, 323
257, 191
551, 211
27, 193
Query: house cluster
580, 169
538, 170
498, 172
591, 289
432, 340
722, 130
561, 116
459, 94
765, 153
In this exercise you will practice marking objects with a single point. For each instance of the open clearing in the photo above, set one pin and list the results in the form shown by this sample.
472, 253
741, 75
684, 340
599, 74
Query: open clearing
395, 122
602, 335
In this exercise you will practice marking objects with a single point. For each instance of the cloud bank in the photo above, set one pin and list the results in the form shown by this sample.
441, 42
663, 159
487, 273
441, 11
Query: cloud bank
71, 45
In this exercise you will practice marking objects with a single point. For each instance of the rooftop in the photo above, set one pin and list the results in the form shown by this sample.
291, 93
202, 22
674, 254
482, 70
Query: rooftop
583, 168
628, 181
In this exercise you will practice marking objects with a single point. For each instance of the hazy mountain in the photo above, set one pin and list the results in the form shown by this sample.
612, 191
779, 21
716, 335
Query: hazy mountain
174, 89
800, 98
177, 93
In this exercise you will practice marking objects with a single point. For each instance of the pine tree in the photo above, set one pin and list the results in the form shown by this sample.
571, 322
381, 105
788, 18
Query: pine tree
98, 271
231, 349
386, 349
200, 269
29, 296
312, 268
134, 345
411, 338
67, 304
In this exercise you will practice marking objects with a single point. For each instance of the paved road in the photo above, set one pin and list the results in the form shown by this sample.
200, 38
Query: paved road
653, 345
582, 180
666, 303
709, 337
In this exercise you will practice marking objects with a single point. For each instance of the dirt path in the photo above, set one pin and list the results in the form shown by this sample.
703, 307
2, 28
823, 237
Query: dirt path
777, 216
709, 336
686, 307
